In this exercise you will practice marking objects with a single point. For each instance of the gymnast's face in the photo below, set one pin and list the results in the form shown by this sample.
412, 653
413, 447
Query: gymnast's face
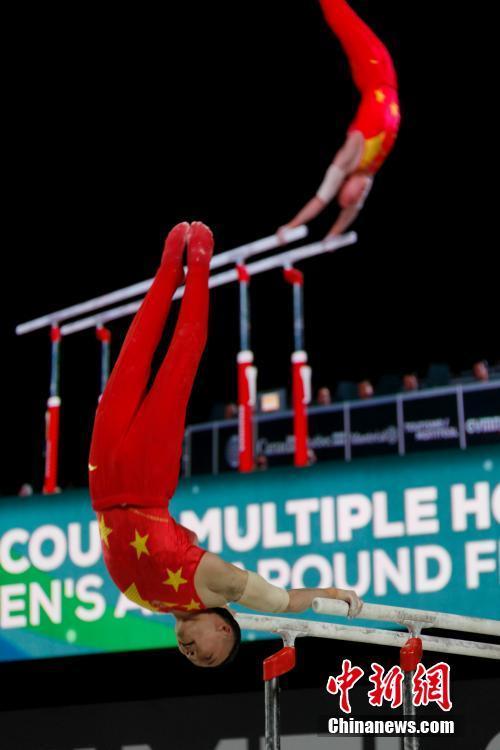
205, 639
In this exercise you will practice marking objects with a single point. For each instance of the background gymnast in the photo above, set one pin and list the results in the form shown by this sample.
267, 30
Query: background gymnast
372, 134
134, 469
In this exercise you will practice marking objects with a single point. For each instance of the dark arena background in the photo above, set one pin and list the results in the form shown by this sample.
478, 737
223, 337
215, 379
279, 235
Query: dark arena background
122, 122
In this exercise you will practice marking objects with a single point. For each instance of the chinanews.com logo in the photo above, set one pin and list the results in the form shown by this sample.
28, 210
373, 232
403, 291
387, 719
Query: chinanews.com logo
429, 686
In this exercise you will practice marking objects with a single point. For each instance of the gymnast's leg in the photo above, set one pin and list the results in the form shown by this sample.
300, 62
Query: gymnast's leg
370, 62
126, 387
154, 441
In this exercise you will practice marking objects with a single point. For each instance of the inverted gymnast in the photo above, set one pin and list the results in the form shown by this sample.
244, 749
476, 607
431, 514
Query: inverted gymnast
371, 135
134, 468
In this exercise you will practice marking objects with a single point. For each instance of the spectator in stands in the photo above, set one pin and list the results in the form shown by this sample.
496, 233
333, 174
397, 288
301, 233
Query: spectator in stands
480, 371
410, 382
230, 411
261, 462
324, 397
311, 457
25, 490
365, 389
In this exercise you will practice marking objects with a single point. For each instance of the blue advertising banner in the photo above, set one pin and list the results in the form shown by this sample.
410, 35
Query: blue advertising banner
417, 531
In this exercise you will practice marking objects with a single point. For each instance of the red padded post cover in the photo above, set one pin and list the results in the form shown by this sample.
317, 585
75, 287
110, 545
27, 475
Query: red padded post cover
410, 655
279, 663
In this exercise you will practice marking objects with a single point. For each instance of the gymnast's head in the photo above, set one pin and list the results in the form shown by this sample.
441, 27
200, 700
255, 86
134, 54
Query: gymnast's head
209, 638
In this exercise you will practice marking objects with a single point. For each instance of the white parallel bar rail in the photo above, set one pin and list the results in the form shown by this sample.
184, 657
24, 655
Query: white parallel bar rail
405, 616
284, 625
238, 255
226, 277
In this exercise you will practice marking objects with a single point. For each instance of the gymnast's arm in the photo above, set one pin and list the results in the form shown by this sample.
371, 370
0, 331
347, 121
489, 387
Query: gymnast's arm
228, 583
355, 193
344, 220
345, 162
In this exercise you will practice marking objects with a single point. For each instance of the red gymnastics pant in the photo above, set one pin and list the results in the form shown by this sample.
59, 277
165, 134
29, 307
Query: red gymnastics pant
370, 62
137, 440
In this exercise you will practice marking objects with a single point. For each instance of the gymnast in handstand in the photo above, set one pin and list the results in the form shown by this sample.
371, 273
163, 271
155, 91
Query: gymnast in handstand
371, 135
134, 468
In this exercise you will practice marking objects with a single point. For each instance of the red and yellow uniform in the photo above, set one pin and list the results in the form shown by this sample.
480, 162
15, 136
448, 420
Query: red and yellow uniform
378, 116
151, 558
138, 432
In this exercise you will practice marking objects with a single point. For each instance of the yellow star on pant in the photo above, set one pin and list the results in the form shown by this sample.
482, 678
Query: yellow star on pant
140, 544
175, 579
191, 605
104, 531
380, 96
394, 109
134, 596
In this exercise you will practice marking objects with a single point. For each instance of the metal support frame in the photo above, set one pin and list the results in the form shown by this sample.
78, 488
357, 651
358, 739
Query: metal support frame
411, 647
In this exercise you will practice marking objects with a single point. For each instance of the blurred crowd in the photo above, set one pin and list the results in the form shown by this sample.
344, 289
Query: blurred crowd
437, 375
